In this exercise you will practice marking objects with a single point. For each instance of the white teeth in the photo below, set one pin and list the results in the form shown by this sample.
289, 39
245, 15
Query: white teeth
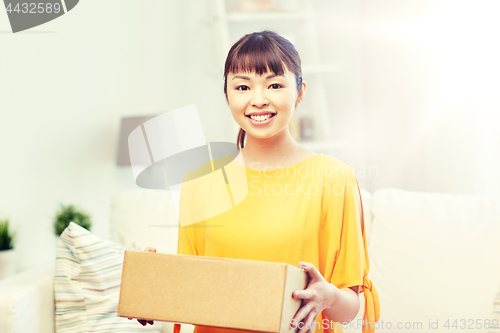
261, 118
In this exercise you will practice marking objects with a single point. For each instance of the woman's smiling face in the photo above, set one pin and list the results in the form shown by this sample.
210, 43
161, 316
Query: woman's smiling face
272, 97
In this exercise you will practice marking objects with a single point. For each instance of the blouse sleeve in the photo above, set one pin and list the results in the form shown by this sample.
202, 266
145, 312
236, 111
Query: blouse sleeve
351, 263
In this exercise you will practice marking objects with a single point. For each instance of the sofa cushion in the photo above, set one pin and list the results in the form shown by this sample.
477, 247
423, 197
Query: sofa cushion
87, 284
27, 301
435, 257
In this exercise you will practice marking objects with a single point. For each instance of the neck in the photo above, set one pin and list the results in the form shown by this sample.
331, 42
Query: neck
276, 148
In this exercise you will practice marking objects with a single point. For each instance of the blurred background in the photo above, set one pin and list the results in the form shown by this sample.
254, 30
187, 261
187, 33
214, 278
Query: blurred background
406, 92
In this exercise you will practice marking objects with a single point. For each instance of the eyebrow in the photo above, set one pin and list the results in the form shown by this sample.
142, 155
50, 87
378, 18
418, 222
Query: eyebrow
247, 78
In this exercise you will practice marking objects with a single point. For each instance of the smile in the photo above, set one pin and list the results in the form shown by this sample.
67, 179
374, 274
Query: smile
261, 120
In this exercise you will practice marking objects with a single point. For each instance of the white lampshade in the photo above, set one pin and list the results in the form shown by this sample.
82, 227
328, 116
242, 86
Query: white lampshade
128, 124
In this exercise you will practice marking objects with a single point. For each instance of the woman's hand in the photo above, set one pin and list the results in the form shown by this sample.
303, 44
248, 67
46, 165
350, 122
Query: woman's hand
150, 249
318, 296
144, 322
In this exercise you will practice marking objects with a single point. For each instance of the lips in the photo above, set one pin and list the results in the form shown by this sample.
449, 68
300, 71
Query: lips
260, 114
261, 123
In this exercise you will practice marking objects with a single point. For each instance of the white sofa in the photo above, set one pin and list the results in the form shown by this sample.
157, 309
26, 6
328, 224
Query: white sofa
433, 257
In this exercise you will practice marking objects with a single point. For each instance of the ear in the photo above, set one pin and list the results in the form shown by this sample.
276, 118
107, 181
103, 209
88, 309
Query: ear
301, 94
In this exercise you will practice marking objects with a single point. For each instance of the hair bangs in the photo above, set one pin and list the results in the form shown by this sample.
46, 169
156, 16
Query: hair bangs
259, 55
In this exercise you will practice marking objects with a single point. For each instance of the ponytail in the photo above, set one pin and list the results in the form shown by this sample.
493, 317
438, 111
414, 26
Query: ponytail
241, 138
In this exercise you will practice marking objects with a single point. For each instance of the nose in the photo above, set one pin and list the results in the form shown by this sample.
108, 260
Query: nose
259, 98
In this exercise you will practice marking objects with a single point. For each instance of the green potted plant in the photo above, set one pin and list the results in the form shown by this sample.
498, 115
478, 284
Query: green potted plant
67, 214
7, 253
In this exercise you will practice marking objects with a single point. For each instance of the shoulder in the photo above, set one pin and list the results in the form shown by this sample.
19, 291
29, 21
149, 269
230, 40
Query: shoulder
330, 160
335, 168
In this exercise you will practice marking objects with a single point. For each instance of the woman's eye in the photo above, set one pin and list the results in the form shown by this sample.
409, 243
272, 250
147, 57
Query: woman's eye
238, 88
276, 86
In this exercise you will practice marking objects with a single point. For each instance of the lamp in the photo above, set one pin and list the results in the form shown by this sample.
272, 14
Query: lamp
127, 125
162, 150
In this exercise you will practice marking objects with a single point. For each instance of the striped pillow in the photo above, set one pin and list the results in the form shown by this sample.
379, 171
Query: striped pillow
87, 285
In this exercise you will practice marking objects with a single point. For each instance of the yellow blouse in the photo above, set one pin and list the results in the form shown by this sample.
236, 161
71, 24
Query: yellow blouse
310, 211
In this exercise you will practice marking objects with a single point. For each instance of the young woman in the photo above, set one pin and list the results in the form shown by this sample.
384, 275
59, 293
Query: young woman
299, 207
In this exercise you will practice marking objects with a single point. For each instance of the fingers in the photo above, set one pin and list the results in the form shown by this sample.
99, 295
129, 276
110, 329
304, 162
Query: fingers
305, 317
304, 326
301, 314
144, 322
311, 270
150, 249
308, 294
309, 323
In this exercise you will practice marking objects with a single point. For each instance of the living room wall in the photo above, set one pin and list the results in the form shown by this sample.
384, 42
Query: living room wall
431, 94
64, 87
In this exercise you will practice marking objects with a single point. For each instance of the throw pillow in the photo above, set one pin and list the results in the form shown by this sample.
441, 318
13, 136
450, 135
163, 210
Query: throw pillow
87, 285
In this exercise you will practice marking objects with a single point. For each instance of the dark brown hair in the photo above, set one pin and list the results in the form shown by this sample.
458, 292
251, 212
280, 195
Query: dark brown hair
259, 52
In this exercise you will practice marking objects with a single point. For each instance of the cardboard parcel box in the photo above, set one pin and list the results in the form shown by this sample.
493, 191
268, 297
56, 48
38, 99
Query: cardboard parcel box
209, 291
